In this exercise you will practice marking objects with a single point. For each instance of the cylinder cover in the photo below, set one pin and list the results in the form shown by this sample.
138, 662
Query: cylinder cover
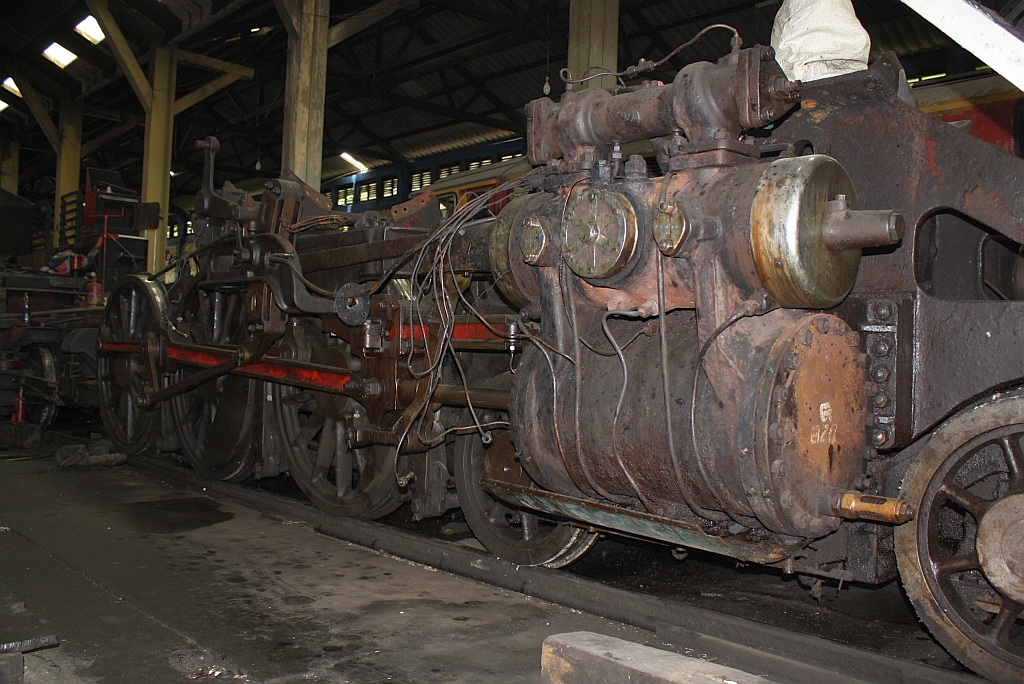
810, 431
792, 260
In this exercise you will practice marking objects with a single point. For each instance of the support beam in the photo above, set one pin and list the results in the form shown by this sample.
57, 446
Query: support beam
9, 150
985, 36
289, 12
122, 52
363, 20
156, 161
230, 73
69, 157
594, 39
305, 86
38, 109
110, 135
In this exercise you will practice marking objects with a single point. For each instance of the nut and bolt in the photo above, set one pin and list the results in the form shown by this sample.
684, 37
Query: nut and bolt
882, 310
821, 324
787, 500
779, 469
870, 419
853, 338
879, 437
880, 400
880, 373
805, 336
881, 347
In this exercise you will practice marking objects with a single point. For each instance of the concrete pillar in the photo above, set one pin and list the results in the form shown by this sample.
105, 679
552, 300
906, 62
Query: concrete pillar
9, 150
594, 39
69, 157
157, 146
305, 86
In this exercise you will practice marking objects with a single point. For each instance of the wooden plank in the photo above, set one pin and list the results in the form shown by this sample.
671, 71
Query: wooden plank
36, 106
212, 63
288, 10
363, 20
122, 52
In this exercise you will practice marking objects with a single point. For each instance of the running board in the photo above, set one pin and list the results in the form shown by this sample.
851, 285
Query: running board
637, 524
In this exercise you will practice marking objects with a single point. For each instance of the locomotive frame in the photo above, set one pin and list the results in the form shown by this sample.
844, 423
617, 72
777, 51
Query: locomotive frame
734, 356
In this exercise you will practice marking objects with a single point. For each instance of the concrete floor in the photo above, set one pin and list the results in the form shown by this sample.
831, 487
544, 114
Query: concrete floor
144, 582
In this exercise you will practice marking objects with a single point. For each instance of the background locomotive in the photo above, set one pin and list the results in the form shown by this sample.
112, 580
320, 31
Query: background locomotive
791, 348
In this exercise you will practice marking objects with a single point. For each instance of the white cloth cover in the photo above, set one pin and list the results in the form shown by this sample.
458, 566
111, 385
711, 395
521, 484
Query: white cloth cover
816, 39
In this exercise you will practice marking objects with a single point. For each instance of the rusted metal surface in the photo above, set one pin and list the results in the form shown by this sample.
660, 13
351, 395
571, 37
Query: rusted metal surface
607, 516
729, 356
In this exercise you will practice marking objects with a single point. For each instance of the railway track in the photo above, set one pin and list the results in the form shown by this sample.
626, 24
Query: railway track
781, 655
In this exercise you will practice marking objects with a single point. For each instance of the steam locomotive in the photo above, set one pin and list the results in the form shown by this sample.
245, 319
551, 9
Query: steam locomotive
799, 346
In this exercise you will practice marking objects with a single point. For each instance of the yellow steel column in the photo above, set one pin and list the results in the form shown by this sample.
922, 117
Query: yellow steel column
9, 165
69, 156
157, 147
305, 86
594, 39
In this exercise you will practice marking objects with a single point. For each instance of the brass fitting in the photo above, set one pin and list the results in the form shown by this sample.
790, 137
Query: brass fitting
853, 505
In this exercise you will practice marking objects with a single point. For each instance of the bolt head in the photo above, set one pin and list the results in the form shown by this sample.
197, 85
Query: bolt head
879, 437
880, 374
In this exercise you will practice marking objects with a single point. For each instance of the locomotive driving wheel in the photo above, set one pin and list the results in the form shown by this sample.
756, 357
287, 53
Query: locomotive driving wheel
135, 308
962, 558
514, 535
340, 480
214, 421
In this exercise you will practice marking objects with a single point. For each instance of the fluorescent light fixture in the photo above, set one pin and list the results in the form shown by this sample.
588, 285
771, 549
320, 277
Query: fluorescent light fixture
174, 173
3, 105
59, 55
90, 29
354, 162
254, 30
11, 87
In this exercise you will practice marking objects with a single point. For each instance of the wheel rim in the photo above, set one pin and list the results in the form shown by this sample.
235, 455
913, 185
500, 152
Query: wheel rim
42, 364
986, 470
214, 421
132, 311
315, 444
517, 536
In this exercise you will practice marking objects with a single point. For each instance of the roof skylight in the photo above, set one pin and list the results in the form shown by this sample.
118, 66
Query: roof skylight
10, 86
90, 29
59, 55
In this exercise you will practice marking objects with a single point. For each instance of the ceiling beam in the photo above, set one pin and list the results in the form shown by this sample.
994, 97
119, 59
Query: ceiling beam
109, 136
289, 11
232, 73
363, 20
36, 106
122, 52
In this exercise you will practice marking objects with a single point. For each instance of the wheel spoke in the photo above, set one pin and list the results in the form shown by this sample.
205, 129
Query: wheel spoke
971, 503
133, 313
206, 418
312, 426
1014, 458
194, 411
1009, 611
960, 563
529, 525
343, 469
326, 449
227, 326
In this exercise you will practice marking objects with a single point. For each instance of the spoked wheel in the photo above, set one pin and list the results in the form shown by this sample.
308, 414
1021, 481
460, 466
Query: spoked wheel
41, 365
517, 536
135, 308
214, 421
339, 480
962, 558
